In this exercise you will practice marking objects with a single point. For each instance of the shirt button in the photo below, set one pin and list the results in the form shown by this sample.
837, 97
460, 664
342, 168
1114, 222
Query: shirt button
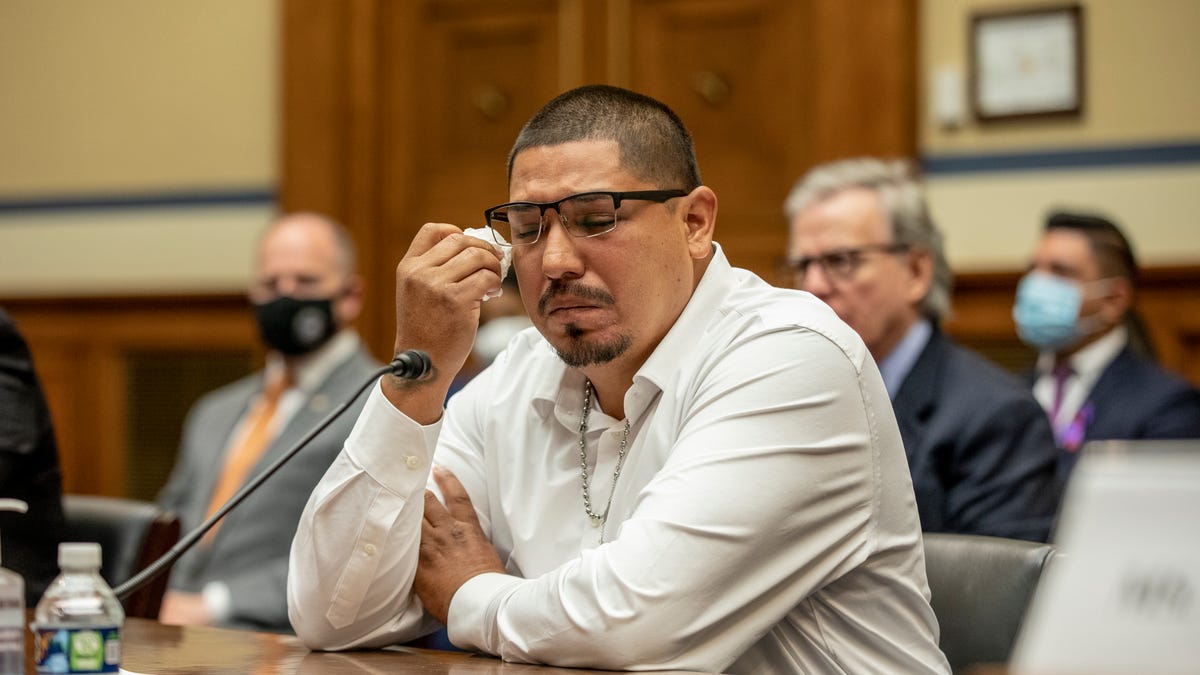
412, 461
369, 549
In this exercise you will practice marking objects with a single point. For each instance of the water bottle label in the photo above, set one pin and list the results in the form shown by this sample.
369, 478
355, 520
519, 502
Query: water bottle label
78, 650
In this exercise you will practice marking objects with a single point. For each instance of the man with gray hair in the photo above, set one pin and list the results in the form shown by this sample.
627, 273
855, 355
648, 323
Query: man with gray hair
980, 452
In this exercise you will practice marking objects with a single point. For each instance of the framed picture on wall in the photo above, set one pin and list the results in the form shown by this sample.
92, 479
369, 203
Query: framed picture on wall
1027, 63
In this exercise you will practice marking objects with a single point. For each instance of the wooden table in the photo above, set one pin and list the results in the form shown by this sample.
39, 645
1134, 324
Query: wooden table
151, 647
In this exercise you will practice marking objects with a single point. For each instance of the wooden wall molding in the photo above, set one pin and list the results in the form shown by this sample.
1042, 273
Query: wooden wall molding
83, 349
400, 113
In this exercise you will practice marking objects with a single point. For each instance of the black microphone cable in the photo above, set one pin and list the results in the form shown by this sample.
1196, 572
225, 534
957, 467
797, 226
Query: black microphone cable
411, 365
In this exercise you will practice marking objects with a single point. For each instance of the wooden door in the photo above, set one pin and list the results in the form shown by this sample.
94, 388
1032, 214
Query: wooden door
400, 113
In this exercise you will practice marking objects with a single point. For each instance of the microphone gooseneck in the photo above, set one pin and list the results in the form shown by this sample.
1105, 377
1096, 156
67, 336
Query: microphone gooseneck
412, 364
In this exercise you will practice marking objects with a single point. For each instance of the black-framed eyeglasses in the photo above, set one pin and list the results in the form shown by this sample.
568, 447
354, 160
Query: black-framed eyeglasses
587, 214
843, 263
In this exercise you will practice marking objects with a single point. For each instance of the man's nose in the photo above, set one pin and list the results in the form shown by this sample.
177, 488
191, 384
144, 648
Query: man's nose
560, 256
287, 286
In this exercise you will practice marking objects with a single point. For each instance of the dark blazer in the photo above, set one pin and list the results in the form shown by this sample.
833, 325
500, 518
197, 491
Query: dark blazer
250, 549
979, 446
29, 468
1133, 399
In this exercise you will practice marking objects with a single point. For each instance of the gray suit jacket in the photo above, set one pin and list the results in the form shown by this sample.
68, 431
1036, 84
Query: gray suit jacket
250, 550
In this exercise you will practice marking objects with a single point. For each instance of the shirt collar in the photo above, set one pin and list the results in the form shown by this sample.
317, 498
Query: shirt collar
313, 369
1091, 359
899, 362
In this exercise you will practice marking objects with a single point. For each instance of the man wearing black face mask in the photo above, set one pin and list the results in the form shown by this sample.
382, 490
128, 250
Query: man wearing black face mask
305, 295
1075, 306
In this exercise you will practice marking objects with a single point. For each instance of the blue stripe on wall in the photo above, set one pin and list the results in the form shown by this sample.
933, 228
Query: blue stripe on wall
1089, 158
175, 200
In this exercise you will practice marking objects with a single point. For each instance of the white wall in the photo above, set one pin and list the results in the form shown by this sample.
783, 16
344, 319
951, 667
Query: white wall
1142, 88
126, 99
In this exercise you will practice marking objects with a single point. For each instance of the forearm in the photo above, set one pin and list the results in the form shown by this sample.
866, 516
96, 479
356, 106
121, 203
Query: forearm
355, 551
686, 593
715, 551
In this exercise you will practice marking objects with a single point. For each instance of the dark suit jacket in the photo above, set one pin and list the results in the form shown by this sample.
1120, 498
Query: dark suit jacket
979, 446
1134, 399
250, 549
29, 468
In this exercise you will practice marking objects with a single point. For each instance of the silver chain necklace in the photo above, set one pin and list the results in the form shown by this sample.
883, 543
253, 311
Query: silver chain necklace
598, 519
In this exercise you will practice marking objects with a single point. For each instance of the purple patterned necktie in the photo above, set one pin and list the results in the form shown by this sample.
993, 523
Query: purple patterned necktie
1061, 373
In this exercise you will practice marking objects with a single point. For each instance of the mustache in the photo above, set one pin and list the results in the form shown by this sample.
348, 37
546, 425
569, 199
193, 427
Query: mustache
573, 289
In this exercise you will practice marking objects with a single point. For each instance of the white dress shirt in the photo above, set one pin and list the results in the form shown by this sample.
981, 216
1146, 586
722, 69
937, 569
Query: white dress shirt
1087, 365
763, 522
899, 362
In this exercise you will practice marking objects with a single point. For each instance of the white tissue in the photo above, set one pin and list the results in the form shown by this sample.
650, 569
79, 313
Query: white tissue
486, 234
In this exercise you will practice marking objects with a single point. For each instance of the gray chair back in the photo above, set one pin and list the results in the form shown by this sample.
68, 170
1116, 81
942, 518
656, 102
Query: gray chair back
980, 589
132, 534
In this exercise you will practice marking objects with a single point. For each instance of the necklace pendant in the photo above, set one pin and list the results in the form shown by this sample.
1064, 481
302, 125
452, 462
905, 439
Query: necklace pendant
597, 521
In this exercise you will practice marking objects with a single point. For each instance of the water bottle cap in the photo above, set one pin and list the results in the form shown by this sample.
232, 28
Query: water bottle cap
72, 554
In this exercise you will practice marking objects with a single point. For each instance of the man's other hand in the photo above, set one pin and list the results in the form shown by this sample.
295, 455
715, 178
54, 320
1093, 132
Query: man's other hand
453, 546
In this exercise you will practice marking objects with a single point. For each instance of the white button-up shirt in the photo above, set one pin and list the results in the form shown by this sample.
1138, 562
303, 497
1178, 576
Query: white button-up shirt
763, 521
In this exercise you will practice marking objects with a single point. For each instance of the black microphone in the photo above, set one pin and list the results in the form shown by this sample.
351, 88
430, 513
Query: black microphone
412, 364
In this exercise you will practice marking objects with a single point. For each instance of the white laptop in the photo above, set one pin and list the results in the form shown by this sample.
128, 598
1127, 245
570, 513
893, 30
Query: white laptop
1123, 596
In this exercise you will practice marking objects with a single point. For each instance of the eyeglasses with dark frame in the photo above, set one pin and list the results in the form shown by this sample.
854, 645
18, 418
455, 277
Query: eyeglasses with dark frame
587, 214
843, 263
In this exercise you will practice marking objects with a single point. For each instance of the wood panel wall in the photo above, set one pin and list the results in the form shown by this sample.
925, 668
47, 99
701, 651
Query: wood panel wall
396, 114
87, 353
1168, 302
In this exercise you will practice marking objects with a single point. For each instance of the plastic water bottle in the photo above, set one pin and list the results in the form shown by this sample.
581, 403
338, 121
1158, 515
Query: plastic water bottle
12, 610
77, 624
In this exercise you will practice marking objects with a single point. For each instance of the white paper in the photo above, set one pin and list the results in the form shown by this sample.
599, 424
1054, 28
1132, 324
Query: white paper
486, 234
1122, 594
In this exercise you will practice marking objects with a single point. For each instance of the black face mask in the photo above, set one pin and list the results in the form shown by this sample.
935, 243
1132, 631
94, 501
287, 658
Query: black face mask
292, 326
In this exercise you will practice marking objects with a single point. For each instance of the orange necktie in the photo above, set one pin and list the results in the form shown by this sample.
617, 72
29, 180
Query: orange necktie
243, 457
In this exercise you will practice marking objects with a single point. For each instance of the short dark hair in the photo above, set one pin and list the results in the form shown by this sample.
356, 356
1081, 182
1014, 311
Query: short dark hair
1115, 257
652, 141
1113, 252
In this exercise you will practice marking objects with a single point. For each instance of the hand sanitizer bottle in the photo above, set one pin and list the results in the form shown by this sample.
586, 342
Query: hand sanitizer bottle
77, 623
12, 609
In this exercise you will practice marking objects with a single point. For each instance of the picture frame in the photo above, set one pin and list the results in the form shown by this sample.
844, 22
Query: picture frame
1027, 63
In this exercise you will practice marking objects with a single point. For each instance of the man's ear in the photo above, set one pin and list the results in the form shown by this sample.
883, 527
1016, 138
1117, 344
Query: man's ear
700, 216
350, 304
919, 263
1117, 301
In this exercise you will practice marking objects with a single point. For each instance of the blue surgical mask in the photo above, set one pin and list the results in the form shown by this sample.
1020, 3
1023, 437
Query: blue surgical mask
1047, 312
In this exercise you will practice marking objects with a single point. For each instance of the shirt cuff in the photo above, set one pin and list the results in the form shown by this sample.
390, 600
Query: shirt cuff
471, 620
218, 601
393, 449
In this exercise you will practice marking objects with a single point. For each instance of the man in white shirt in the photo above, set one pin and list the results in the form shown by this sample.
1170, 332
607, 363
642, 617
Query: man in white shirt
678, 467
